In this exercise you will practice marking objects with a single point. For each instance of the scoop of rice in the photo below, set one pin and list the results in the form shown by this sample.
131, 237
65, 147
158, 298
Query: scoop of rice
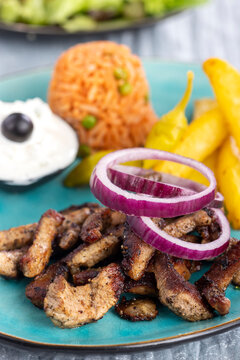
84, 82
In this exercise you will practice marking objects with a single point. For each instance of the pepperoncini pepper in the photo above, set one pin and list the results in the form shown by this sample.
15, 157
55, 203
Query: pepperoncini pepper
228, 179
170, 128
81, 174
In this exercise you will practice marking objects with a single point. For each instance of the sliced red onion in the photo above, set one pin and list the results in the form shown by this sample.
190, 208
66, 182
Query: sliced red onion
147, 230
132, 179
144, 205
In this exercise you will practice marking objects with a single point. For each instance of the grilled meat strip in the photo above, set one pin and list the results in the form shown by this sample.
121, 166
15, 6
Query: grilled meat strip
69, 231
97, 223
209, 232
88, 255
37, 289
191, 238
236, 278
188, 223
17, 237
145, 286
137, 309
70, 237
176, 293
70, 307
38, 255
136, 254
85, 276
9, 262
214, 282
180, 265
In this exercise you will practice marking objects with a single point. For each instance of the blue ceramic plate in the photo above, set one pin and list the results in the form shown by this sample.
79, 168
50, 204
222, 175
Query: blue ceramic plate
19, 319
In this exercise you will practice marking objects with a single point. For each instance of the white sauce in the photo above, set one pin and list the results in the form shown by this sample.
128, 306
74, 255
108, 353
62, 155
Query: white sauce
52, 146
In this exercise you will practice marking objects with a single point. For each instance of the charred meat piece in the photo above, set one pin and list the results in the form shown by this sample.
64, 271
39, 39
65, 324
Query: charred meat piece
214, 282
70, 307
181, 267
100, 222
38, 255
193, 266
95, 224
191, 238
137, 309
18, 237
188, 223
37, 289
136, 254
209, 232
145, 286
85, 276
75, 217
9, 262
88, 255
236, 278
180, 296
69, 231
117, 218
70, 237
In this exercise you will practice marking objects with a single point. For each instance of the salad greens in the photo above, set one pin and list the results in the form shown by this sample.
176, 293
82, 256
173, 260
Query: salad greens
74, 15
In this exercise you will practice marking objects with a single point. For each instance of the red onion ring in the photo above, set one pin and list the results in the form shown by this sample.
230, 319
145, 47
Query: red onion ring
146, 229
143, 205
132, 179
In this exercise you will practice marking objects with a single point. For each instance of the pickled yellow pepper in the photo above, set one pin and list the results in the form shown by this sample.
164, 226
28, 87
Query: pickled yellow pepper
225, 80
81, 174
203, 136
170, 128
228, 178
211, 162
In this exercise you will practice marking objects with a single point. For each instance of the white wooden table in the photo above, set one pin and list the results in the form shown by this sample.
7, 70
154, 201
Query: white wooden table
212, 30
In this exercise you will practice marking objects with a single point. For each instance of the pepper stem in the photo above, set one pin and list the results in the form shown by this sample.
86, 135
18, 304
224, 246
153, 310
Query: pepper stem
185, 99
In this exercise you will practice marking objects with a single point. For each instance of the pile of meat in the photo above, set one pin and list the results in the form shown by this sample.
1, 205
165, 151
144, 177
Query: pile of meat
82, 259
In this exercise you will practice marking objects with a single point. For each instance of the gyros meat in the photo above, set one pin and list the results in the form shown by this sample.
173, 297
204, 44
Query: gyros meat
69, 231
70, 307
9, 262
176, 293
73, 292
95, 224
37, 289
214, 282
70, 237
187, 223
144, 286
88, 255
20, 236
85, 276
17, 237
137, 309
136, 254
99, 222
38, 255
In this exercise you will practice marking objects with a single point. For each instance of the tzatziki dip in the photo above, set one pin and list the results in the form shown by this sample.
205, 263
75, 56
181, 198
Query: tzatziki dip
34, 142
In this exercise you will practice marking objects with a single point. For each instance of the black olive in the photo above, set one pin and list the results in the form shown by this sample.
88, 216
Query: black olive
17, 127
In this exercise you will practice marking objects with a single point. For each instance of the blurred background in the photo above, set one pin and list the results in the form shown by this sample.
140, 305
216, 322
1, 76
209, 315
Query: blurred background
192, 35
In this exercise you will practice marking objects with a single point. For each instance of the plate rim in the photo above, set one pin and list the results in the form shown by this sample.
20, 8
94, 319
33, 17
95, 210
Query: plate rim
129, 347
54, 30
133, 346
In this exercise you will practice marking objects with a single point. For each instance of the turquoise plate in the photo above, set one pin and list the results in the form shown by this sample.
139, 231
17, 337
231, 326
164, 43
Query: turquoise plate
19, 319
